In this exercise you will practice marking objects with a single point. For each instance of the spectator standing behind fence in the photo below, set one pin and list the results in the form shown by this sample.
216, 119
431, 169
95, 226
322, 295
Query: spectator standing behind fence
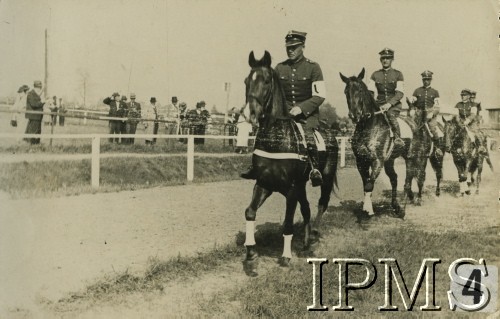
62, 111
19, 106
150, 114
116, 109
183, 121
244, 130
172, 116
54, 108
198, 121
34, 103
123, 123
133, 115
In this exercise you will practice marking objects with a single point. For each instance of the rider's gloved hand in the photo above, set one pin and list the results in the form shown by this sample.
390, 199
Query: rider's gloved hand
385, 107
413, 99
294, 111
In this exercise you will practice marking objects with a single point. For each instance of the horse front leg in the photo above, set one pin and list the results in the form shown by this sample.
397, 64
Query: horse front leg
393, 177
437, 166
364, 171
259, 196
291, 205
422, 165
410, 174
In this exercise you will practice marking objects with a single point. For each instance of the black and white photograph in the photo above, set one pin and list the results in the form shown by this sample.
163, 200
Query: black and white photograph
249, 159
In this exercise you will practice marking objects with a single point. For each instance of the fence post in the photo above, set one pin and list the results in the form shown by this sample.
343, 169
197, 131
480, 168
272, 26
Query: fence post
85, 118
190, 159
95, 165
342, 151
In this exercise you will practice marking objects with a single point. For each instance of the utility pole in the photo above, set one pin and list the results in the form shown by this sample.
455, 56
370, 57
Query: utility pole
227, 87
46, 81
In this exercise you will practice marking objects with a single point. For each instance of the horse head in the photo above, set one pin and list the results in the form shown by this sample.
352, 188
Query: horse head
360, 102
265, 99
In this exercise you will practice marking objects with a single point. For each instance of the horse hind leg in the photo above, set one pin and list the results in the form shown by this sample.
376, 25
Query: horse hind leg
393, 177
259, 196
421, 180
291, 205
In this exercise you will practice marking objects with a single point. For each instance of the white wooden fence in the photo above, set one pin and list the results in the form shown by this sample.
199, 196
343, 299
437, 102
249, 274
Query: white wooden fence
96, 147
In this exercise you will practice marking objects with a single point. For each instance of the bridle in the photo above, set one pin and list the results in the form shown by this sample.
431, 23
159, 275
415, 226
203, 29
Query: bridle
267, 99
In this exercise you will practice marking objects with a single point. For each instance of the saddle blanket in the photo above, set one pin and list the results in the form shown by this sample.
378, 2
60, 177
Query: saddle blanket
320, 142
405, 129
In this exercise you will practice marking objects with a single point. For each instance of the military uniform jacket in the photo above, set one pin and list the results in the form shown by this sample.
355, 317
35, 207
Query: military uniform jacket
34, 103
201, 118
465, 109
425, 98
303, 85
389, 84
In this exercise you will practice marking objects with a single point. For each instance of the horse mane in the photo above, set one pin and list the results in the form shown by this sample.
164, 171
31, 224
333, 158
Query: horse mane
278, 109
369, 103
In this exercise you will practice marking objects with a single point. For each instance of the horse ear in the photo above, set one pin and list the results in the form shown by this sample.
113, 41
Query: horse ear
251, 60
344, 78
444, 119
361, 74
266, 61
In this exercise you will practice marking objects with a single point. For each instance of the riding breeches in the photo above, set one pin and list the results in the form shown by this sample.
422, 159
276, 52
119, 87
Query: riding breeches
392, 117
312, 148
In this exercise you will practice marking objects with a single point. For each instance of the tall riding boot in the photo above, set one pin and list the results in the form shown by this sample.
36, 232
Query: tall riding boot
393, 122
315, 174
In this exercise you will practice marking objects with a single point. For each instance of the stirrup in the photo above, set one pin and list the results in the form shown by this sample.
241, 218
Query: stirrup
438, 152
315, 177
398, 141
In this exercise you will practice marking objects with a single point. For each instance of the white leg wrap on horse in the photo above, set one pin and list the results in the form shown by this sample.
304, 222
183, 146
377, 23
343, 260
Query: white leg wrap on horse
250, 233
287, 248
367, 203
463, 187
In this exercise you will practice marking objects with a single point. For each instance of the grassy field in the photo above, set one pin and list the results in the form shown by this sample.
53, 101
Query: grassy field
60, 178
286, 292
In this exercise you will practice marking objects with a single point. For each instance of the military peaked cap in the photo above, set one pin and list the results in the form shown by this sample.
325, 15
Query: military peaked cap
466, 92
427, 74
295, 37
37, 84
386, 53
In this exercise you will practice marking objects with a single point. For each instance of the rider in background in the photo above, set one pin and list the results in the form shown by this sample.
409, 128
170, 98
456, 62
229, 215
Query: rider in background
302, 82
389, 85
468, 113
426, 98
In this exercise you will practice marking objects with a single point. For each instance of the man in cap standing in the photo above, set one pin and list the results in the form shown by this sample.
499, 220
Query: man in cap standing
302, 81
116, 109
426, 98
133, 114
388, 83
172, 116
34, 103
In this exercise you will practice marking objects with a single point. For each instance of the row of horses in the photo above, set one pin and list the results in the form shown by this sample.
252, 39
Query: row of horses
288, 173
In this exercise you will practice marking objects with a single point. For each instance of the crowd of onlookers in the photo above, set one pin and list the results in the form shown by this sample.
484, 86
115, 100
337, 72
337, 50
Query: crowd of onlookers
125, 115
175, 117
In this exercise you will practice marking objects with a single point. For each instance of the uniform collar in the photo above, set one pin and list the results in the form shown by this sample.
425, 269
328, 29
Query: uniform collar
290, 62
386, 70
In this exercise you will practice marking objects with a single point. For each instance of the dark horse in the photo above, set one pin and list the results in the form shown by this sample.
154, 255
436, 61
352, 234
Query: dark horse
372, 144
465, 153
421, 149
279, 158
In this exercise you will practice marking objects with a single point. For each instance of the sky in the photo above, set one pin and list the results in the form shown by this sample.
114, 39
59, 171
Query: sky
190, 48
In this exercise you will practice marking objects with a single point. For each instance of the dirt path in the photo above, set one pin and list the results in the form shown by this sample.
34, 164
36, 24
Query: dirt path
49, 247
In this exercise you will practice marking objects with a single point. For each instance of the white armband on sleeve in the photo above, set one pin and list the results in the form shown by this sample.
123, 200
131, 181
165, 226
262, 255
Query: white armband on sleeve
473, 110
318, 89
400, 86
371, 86
436, 101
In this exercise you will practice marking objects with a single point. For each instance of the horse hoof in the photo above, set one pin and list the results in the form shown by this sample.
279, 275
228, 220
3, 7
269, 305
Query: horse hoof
418, 202
438, 192
284, 262
467, 192
250, 267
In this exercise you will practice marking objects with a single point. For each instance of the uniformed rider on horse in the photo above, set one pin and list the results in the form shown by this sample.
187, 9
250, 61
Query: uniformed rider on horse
388, 83
304, 88
426, 98
468, 113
